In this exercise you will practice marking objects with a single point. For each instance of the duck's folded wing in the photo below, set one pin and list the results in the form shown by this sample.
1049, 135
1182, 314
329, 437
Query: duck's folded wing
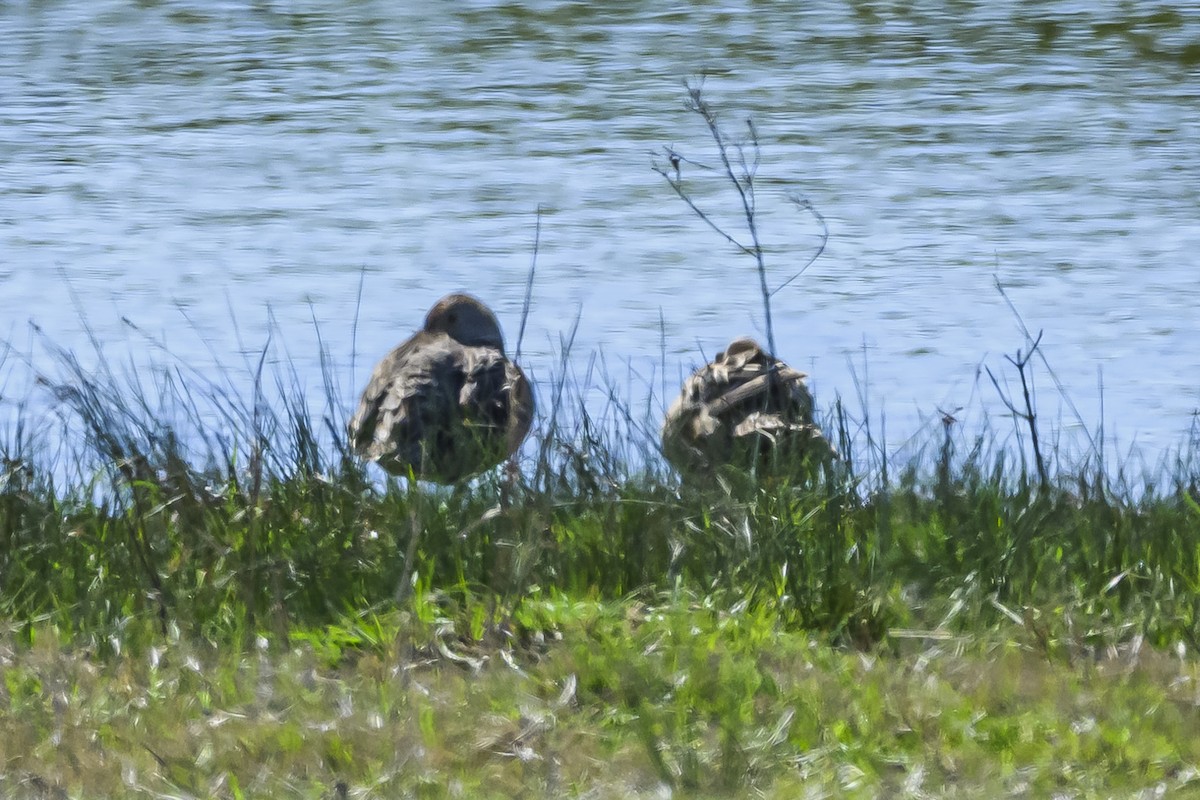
486, 394
756, 386
401, 398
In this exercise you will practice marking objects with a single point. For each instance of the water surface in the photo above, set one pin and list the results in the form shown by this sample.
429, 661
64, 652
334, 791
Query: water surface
190, 165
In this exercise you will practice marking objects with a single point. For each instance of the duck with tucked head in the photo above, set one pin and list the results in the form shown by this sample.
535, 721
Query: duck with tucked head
446, 404
747, 409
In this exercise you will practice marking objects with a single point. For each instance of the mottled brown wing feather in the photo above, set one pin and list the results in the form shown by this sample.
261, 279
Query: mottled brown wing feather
744, 394
389, 423
755, 389
443, 409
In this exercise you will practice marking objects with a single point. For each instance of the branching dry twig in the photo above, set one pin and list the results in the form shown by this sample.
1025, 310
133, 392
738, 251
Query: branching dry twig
743, 184
1029, 415
1058, 384
739, 161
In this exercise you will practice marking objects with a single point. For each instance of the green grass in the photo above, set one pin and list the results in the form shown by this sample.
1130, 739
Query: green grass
198, 591
606, 700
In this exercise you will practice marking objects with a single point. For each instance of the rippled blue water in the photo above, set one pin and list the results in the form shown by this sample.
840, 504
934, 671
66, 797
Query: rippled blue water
187, 165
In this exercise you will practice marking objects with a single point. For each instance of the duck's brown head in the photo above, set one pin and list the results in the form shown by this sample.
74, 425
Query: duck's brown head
743, 350
465, 320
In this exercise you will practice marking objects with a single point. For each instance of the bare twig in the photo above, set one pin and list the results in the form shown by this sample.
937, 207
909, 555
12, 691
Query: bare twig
806, 205
1029, 415
676, 183
537, 240
744, 185
1058, 384
362, 279
742, 181
739, 162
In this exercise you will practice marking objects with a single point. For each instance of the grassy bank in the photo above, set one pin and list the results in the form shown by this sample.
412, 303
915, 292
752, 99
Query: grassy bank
199, 589
607, 700
163, 501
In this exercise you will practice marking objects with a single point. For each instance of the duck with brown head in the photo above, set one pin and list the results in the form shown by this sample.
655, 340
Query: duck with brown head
446, 404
